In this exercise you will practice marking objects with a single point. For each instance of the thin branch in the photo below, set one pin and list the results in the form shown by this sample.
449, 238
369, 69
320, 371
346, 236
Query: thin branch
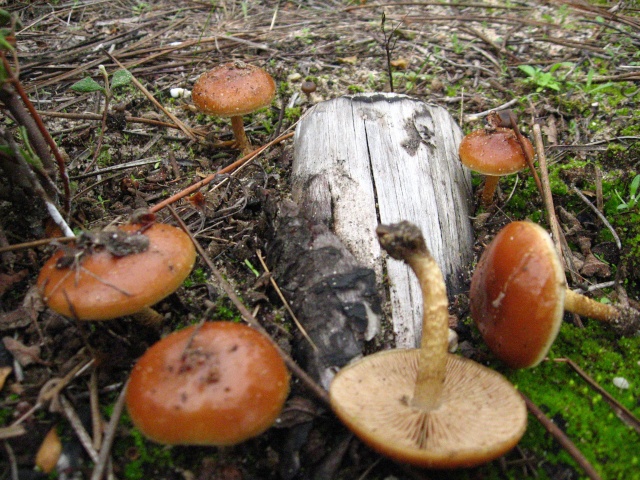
620, 410
153, 100
208, 179
110, 433
311, 385
562, 439
599, 214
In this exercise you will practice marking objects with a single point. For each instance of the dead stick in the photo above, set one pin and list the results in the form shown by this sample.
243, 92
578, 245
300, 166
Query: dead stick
196, 186
620, 410
153, 100
547, 198
62, 169
561, 438
109, 435
313, 387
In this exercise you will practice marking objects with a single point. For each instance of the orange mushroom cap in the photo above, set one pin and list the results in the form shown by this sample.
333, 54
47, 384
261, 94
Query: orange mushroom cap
494, 151
105, 286
233, 89
215, 384
517, 294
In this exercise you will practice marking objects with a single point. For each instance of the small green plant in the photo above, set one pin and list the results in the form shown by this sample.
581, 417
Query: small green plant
542, 79
634, 196
88, 84
140, 8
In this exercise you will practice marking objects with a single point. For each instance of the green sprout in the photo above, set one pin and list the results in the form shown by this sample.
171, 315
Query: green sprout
634, 196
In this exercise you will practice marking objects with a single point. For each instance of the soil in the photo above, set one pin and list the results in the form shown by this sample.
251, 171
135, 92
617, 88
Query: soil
462, 56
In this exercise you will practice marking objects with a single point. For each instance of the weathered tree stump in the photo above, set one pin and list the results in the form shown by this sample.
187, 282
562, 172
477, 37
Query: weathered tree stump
379, 158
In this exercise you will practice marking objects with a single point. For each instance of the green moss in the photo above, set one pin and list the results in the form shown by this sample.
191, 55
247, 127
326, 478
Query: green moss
588, 420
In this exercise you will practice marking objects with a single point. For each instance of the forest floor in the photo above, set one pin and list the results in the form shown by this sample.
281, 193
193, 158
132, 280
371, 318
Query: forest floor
572, 67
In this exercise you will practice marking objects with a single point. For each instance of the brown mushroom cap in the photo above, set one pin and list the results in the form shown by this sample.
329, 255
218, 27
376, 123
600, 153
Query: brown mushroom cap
517, 294
494, 152
233, 89
107, 286
480, 417
215, 384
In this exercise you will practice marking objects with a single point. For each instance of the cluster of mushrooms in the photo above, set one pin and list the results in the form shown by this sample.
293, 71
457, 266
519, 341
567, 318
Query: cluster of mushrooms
422, 406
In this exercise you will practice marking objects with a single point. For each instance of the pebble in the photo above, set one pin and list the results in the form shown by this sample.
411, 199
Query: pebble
621, 383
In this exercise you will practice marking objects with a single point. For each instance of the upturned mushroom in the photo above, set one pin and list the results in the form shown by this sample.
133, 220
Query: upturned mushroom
519, 294
493, 151
233, 90
118, 272
425, 406
219, 383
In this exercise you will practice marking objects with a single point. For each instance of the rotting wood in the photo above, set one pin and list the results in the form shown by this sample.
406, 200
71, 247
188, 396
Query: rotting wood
379, 158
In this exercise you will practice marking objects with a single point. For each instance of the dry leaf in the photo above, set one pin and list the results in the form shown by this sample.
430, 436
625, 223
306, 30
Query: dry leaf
4, 373
23, 354
348, 60
400, 64
8, 280
49, 452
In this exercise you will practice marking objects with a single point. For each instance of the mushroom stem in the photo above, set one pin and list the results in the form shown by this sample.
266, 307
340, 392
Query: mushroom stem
148, 316
490, 184
237, 125
403, 241
587, 307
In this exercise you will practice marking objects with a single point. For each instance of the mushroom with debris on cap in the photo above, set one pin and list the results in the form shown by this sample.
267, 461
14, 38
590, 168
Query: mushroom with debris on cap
117, 272
519, 294
493, 151
425, 406
218, 383
233, 90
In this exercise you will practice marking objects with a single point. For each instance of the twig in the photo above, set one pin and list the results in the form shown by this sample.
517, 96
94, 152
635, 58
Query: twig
109, 435
12, 461
620, 410
547, 198
388, 47
78, 427
152, 99
25, 170
35, 243
96, 418
311, 385
561, 438
62, 170
55, 390
208, 179
599, 214
274, 284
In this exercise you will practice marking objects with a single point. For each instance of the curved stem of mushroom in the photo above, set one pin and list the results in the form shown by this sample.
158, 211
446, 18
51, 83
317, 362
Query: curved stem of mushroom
587, 307
237, 125
490, 183
435, 331
148, 316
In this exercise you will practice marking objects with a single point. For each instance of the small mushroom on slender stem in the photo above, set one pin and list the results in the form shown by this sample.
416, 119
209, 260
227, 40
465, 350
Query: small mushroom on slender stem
113, 273
425, 406
218, 383
494, 151
519, 295
233, 90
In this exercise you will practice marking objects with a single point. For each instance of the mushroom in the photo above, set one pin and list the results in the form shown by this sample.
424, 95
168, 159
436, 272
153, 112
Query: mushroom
308, 87
233, 90
493, 151
425, 406
218, 383
113, 273
519, 294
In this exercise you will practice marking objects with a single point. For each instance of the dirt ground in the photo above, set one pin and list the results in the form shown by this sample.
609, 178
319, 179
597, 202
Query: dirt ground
573, 67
